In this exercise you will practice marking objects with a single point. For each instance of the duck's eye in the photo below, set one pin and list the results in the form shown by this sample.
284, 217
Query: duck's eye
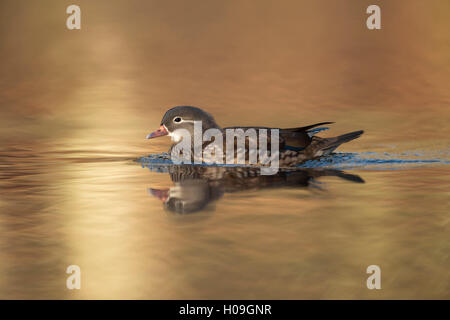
177, 119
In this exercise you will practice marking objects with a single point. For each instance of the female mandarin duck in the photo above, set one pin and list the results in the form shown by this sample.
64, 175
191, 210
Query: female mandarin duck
295, 145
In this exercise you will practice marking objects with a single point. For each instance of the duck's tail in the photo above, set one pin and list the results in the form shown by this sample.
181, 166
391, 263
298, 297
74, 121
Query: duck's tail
325, 146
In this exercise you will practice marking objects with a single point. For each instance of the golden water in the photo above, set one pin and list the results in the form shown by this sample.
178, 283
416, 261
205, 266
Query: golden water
76, 106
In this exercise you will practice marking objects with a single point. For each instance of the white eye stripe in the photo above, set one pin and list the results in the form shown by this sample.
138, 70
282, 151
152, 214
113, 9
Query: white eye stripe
182, 120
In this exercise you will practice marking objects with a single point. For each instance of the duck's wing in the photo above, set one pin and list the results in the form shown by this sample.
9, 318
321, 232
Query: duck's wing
306, 128
281, 141
291, 138
300, 137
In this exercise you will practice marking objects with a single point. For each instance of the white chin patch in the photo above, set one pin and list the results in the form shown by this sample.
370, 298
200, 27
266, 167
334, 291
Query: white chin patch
176, 136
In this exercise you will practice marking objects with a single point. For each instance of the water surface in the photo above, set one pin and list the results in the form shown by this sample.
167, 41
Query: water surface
76, 106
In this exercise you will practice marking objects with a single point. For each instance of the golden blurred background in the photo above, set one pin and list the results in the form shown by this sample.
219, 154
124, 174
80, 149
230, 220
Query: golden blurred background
76, 105
273, 63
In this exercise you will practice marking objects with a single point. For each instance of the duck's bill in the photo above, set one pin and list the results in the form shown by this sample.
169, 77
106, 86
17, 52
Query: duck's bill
158, 133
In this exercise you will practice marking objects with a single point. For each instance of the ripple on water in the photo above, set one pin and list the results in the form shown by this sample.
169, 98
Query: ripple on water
369, 160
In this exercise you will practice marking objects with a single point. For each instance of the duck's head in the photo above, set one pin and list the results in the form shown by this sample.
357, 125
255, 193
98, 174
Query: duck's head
182, 117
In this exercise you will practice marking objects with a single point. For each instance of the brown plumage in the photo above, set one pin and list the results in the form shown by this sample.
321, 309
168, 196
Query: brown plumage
296, 145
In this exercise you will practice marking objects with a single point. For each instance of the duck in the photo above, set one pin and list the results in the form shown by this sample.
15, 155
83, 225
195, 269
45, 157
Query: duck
294, 145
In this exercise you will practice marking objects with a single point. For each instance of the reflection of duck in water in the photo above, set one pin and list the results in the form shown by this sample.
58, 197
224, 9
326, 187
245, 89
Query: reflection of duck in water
196, 186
